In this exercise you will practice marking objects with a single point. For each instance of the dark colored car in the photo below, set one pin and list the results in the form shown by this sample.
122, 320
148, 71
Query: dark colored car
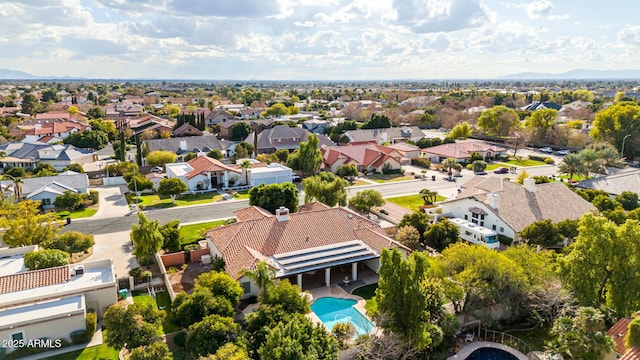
501, 170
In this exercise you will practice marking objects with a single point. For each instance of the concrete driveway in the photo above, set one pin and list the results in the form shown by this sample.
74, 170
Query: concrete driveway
112, 202
116, 246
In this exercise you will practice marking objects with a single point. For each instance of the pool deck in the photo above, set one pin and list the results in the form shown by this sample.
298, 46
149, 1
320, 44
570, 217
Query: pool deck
338, 292
467, 350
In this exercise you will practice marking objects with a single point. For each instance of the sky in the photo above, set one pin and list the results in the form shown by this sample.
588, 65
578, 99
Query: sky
316, 39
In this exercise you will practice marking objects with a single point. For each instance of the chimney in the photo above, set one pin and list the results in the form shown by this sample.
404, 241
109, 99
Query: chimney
183, 145
529, 184
282, 214
492, 200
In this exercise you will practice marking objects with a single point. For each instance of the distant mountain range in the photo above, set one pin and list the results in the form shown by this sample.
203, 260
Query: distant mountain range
6, 74
578, 74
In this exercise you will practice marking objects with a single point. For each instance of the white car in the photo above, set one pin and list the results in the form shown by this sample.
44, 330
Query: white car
562, 152
547, 150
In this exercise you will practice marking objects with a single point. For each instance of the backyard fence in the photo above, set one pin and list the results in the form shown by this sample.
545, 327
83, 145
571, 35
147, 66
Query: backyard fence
506, 339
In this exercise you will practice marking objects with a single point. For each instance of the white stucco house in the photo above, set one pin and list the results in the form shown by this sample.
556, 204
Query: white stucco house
47, 188
50, 303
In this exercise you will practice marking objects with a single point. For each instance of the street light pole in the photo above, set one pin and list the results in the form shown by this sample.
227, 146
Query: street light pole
623, 140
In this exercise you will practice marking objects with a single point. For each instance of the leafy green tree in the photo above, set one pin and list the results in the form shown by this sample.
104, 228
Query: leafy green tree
419, 220
171, 187
429, 196
155, 351
366, 199
571, 164
24, 225
31, 105
138, 183
71, 242
582, 336
210, 334
122, 168
401, 299
479, 166
49, 95
343, 332
44, 170
132, 325
215, 154
240, 130
262, 276
460, 131
47, 258
326, 188
441, 234
297, 339
74, 167
346, 170
604, 203
633, 333
189, 156
190, 309
603, 266
241, 152
70, 200
160, 158
276, 110
259, 322
95, 113
540, 121
221, 284
146, 237
230, 351
273, 196
287, 297
615, 122
628, 200
88, 139
282, 155
308, 157
171, 238
542, 232
499, 120
568, 228
377, 121
408, 236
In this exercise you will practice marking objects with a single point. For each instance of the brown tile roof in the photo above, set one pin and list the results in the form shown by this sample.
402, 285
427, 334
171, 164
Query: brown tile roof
313, 206
463, 149
204, 163
365, 154
251, 213
519, 207
239, 242
617, 332
34, 279
631, 354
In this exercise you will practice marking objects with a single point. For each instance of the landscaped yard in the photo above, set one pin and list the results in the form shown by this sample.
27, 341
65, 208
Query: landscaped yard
154, 201
191, 233
367, 292
78, 214
360, 183
163, 302
379, 178
92, 353
525, 162
411, 202
576, 177
536, 338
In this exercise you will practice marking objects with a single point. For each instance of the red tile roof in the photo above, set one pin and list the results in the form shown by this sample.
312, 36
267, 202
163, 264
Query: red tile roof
34, 279
463, 149
365, 154
631, 354
251, 213
204, 163
240, 242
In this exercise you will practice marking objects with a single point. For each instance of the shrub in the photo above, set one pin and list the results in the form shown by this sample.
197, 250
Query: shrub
135, 272
421, 162
91, 321
383, 211
230, 221
537, 157
78, 336
549, 161
95, 197
191, 247
505, 240
180, 339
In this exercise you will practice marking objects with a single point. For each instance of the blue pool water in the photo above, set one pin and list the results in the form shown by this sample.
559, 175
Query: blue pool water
490, 354
333, 310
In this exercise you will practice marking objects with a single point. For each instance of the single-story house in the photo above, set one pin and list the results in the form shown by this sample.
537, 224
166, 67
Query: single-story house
366, 157
29, 155
614, 184
284, 137
195, 144
56, 128
316, 126
150, 122
47, 188
217, 116
618, 332
461, 150
50, 303
381, 136
507, 207
317, 246
407, 150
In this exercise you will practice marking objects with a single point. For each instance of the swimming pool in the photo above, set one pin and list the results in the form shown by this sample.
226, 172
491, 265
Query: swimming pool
334, 310
490, 354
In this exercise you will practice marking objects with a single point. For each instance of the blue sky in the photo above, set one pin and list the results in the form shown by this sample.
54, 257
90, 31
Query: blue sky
316, 39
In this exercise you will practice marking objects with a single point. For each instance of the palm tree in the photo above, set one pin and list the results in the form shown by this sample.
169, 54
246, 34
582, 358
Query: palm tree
262, 276
448, 164
591, 161
428, 196
610, 156
571, 164
245, 166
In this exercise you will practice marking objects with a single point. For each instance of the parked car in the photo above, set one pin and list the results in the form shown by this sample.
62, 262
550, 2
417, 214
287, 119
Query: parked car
296, 178
501, 170
546, 149
157, 169
562, 152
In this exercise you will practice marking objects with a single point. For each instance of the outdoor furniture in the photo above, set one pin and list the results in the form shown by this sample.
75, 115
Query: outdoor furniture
346, 281
469, 337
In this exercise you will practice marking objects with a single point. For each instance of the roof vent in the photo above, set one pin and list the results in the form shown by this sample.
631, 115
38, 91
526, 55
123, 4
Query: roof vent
78, 270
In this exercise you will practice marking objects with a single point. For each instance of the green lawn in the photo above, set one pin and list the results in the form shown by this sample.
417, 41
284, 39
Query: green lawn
92, 353
536, 338
411, 202
576, 177
191, 233
78, 214
491, 167
390, 178
525, 162
163, 302
360, 183
368, 293
241, 195
154, 201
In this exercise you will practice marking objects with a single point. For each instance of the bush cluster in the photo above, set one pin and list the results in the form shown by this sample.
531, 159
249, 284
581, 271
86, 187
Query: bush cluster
421, 162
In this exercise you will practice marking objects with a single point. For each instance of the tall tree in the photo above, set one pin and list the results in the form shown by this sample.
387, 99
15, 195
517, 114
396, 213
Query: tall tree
582, 336
245, 166
571, 164
308, 157
591, 161
262, 276
617, 121
326, 188
460, 131
499, 120
146, 237
132, 325
298, 338
171, 187
240, 130
408, 236
366, 199
271, 197
210, 334
441, 234
540, 121
22, 224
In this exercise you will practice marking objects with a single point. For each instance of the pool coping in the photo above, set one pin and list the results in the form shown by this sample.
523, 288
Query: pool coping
467, 350
337, 292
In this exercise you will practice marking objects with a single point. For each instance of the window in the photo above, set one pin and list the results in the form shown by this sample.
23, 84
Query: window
481, 217
474, 221
493, 227
474, 215
46, 201
246, 286
17, 336
481, 223
501, 229
466, 217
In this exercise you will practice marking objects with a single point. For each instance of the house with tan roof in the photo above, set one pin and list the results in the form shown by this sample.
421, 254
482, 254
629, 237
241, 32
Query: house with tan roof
381, 136
50, 303
369, 157
320, 246
150, 122
461, 150
217, 116
284, 137
507, 207
620, 352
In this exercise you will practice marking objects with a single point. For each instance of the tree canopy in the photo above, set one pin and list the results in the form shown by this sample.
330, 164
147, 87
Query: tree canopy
210, 334
46, 258
499, 120
88, 139
132, 325
160, 158
146, 237
271, 197
326, 188
308, 157
171, 187
615, 122
23, 224
366, 199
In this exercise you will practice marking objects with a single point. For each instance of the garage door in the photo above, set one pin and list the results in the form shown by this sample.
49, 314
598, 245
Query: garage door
266, 181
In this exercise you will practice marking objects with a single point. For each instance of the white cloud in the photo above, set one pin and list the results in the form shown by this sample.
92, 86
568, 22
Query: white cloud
629, 36
428, 16
537, 8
